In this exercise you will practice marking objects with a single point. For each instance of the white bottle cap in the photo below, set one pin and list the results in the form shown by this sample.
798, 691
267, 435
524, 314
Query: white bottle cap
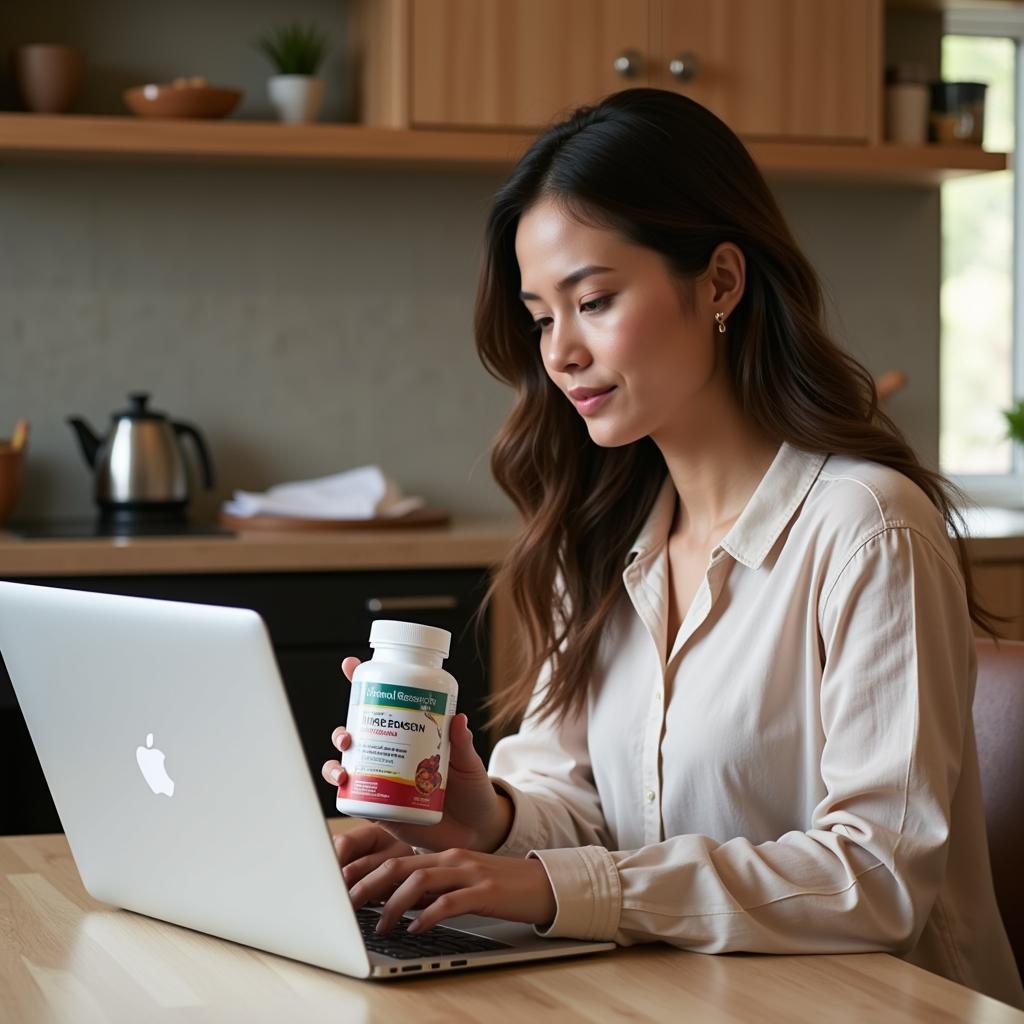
392, 631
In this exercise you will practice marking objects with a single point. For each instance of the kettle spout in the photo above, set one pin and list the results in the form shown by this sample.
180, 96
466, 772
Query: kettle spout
86, 438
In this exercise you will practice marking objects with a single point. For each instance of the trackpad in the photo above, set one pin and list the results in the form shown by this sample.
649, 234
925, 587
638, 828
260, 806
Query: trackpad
512, 932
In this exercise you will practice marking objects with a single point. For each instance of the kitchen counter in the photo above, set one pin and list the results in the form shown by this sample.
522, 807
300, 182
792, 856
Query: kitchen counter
997, 534
467, 542
64, 956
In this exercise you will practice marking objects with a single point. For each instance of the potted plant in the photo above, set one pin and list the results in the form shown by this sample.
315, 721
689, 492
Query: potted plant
1014, 417
297, 53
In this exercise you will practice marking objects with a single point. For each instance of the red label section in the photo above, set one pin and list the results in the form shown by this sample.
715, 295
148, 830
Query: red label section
374, 790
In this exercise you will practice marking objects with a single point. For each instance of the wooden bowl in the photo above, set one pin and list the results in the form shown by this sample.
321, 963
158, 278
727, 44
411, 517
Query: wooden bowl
169, 100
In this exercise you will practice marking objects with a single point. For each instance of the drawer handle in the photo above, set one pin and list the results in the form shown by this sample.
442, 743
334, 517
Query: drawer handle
685, 67
405, 604
629, 63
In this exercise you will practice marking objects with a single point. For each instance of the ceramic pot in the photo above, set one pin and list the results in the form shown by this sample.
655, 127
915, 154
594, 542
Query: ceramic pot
296, 98
48, 76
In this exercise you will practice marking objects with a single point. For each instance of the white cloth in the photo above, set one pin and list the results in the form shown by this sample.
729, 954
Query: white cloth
362, 493
799, 775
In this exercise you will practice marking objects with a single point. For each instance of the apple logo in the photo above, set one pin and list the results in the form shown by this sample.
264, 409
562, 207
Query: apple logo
151, 763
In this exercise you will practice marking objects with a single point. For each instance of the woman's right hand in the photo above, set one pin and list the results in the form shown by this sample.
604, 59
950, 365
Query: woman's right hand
476, 816
362, 850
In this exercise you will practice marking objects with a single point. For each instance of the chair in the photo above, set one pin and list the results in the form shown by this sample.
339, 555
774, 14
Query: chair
999, 727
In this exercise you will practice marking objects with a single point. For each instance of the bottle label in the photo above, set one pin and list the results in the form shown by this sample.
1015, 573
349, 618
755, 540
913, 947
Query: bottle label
399, 752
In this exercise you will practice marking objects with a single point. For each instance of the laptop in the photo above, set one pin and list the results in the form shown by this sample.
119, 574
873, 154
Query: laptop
167, 742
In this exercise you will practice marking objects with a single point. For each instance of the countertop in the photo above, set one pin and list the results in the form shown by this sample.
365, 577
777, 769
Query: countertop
66, 957
997, 534
462, 543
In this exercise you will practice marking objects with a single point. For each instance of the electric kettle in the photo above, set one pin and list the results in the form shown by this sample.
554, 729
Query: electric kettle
140, 469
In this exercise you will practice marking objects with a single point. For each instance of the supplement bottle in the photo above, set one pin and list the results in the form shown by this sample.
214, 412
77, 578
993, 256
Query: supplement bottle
401, 705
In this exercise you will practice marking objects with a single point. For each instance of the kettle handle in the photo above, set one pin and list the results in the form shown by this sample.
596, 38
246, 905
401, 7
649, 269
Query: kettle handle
204, 454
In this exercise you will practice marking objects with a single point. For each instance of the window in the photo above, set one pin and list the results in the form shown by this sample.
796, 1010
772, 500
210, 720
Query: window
980, 347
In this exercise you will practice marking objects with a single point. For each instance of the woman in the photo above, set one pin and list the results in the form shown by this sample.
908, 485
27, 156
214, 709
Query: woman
749, 654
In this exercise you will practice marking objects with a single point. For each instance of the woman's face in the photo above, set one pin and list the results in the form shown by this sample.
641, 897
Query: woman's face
621, 327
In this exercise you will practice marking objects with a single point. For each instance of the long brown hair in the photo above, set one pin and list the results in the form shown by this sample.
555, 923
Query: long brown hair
665, 173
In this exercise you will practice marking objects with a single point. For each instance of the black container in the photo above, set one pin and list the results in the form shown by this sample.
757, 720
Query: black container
957, 112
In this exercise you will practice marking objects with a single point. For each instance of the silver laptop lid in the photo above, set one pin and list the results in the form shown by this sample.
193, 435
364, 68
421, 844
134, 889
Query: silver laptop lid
166, 739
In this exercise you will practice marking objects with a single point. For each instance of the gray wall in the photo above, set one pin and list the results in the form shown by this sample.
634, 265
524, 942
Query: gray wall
312, 321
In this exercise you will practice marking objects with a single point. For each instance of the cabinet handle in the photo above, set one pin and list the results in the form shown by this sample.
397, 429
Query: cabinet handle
629, 63
404, 604
684, 67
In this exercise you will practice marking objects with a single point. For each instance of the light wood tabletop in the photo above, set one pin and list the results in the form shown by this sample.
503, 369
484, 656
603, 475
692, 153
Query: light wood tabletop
65, 957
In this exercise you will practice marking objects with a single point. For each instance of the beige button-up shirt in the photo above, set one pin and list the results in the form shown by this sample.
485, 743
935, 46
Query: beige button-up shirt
795, 770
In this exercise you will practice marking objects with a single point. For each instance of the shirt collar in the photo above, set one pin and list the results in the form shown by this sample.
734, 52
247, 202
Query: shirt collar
782, 489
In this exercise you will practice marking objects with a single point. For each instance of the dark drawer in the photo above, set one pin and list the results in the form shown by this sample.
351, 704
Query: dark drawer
313, 608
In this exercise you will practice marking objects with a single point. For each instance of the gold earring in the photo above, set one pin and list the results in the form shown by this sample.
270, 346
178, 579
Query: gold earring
720, 320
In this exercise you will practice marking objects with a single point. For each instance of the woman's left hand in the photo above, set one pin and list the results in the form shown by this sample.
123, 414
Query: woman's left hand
458, 882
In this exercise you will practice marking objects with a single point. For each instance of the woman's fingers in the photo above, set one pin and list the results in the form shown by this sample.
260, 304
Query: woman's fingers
333, 772
341, 737
458, 882
359, 842
355, 870
466, 900
421, 883
398, 865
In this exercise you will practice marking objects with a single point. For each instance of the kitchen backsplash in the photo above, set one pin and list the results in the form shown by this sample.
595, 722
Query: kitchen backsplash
310, 321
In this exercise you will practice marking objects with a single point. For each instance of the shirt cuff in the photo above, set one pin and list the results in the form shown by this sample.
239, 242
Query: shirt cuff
588, 897
525, 831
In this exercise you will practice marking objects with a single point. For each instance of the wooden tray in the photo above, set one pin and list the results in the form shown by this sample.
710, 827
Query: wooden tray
417, 518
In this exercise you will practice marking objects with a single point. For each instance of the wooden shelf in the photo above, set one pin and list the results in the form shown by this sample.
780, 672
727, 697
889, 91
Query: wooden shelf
883, 164
955, 5
77, 136
129, 139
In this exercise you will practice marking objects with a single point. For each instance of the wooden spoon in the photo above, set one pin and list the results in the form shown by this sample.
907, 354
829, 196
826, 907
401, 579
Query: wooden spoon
20, 438
890, 382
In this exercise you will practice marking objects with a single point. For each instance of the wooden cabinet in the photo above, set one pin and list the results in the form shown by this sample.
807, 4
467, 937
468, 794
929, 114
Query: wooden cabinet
315, 620
999, 586
772, 69
779, 69
469, 83
495, 63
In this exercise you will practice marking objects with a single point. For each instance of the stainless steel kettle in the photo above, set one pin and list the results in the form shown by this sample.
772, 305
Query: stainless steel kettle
139, 465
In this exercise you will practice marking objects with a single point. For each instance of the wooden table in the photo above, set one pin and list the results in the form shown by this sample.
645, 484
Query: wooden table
65, 957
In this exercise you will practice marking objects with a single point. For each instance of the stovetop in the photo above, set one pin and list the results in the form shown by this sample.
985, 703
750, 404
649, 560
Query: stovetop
72, 529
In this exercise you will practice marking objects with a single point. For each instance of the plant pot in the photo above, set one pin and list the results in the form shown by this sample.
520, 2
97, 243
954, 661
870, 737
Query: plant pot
48, 76
296, 98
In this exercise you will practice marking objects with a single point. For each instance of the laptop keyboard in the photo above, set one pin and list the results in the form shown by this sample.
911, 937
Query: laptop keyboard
437, 941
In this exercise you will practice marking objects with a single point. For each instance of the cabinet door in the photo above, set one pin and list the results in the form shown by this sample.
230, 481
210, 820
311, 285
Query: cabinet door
777, 69
1000, 588
517, 63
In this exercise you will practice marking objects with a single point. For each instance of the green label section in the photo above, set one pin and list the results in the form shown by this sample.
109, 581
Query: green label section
389, 695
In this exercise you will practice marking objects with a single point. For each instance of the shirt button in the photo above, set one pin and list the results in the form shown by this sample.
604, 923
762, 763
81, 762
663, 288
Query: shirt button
649, 796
